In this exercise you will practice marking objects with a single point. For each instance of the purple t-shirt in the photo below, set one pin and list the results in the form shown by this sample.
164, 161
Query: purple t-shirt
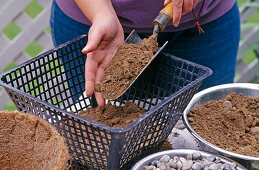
139, 14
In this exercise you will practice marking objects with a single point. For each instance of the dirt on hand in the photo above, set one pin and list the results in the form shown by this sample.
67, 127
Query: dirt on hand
128, 62
28, 142
114, 116
231, 123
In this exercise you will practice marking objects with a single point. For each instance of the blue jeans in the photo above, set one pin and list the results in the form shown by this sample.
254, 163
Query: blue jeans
216, 48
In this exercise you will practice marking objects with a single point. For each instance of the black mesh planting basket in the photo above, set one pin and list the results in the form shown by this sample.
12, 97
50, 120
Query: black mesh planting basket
51, 86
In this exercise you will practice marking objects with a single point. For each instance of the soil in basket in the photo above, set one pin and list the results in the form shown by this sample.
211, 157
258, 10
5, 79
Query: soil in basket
114, 116
128, 62
231, 123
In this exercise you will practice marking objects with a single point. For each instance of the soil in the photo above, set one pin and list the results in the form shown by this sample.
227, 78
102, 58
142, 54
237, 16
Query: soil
114, 116
29, 142
166, 146
128, 62
231, 123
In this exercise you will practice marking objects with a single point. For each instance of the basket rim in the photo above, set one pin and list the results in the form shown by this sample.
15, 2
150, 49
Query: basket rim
123, 130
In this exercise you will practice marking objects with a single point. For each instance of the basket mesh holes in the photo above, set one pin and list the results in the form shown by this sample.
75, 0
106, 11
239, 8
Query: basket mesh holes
60, 81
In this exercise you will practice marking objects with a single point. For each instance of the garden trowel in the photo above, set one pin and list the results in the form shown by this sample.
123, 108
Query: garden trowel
160, 22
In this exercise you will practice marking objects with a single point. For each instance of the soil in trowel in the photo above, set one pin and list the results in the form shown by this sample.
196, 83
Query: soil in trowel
126, 65
114, 116
231, 123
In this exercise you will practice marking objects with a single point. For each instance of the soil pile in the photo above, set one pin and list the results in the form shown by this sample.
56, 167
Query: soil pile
29, 142
128, 62
231, 123
114, 116
166, 146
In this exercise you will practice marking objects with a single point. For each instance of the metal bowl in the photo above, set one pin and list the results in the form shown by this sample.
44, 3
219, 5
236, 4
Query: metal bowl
217, 93
180, 153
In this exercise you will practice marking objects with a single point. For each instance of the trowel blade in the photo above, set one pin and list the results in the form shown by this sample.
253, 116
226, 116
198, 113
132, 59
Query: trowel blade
134, 38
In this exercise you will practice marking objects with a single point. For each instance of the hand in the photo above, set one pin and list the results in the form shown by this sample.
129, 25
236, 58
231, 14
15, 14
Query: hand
181, 7
104, 38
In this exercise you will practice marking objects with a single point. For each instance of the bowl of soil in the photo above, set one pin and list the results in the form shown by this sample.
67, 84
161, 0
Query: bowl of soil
29, 142
186, 159
225, 120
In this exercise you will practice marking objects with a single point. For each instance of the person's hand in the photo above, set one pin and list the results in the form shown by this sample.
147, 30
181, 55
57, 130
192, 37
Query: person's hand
104, 38
181, 7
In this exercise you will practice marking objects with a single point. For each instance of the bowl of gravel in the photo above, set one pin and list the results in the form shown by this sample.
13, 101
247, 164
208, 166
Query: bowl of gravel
225, 120
186, 159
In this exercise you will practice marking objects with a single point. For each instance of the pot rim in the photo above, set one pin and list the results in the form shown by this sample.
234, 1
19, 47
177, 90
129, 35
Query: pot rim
182, 152
200, 94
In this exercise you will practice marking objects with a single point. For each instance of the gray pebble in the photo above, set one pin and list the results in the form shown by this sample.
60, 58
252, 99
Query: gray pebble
208, 164
217, 160
214, 167
227, 104
189, 157
176, 158
167, 165
182, 159
151, 167
155, 163
175, 161
187, 165
196, 155
198, 166
226, 169
233, 165
211, 158
254, 129
165, 159
171, 163
206, 168
220, 165
226, 166
162, 167
198, 163
179, 165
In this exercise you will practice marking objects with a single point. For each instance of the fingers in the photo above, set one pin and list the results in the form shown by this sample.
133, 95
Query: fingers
94, 72
99, 98
177, 11
187, 6
99, 77
195, 2
94, 39
90, 74
181, 7
166, 2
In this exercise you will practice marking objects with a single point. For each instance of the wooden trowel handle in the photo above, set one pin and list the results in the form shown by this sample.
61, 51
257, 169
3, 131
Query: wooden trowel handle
168, 11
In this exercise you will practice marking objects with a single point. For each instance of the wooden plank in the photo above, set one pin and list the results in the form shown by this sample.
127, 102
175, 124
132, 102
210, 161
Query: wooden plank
248, 73
44, 39
44, 3
11, 10
240, 65
22, 20
3, 3
21, 58
250, 38
26, 37
246, 12
4, 42
4, 99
